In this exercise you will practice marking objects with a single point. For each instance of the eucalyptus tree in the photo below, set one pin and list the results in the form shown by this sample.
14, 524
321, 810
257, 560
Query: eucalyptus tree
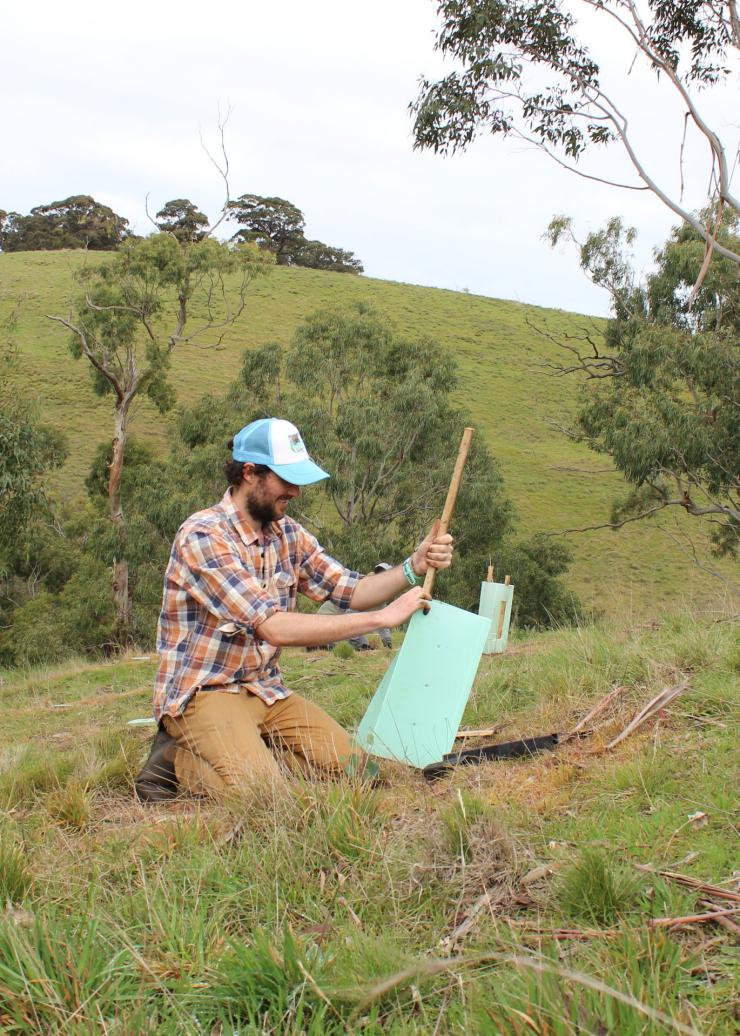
277, 226
272, 223
75, 222
663, 387
134, 310
183, 220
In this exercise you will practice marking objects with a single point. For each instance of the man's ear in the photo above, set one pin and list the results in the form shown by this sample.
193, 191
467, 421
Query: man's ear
247, 471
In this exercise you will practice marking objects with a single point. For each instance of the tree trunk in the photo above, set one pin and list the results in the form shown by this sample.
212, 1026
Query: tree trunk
120, 565
121, 600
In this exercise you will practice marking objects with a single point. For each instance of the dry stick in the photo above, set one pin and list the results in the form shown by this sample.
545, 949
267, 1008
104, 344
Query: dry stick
718, 915
528, 928
679, 922
655, 705
724, 921
502, 611
485, 732
715, 891
99, 700
468, 922
598, 707
449, 507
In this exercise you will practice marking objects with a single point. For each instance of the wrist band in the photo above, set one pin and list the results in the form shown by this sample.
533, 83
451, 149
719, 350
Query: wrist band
408, 570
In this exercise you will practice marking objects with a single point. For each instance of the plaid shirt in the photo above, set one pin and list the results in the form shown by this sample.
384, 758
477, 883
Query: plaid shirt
222, 581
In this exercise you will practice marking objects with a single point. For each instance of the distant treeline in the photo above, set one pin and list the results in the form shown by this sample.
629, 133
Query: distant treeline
274, 224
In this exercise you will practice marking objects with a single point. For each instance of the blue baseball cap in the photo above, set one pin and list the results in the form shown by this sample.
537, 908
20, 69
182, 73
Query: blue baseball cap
279, 445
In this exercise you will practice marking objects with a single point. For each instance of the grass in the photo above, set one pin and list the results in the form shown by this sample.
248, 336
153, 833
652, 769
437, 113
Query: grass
15, 874
555, 484
598, 891
337, 908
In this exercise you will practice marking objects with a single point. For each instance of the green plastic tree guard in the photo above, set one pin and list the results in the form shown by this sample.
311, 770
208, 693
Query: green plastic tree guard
416, 711
495, 605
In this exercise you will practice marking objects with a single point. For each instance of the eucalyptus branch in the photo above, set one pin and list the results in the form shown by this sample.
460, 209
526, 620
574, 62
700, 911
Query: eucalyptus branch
691, 552
593, 365
574, 169
712, 138
222, 168
90, 354
610, 525
734, 21
609, 110
137, 311
151, 218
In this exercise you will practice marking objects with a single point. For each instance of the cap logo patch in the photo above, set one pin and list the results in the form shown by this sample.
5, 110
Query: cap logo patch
296, 443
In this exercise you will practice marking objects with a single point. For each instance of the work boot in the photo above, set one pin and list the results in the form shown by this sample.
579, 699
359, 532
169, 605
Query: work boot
157, 781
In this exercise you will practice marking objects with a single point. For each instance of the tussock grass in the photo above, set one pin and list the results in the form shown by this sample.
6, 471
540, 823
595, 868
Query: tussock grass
16, 876
597, 890
327, 908
71, 805
271, 986
34, 772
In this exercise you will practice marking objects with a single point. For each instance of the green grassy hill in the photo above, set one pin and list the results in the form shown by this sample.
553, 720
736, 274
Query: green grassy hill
554, 483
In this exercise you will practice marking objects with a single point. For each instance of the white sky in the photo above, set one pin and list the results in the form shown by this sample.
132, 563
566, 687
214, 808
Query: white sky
110, 99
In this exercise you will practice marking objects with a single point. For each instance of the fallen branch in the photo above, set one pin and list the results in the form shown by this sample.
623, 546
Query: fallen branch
563, 933
660, 701
598, 707
718, 915
680, 922
715, 891
725, 922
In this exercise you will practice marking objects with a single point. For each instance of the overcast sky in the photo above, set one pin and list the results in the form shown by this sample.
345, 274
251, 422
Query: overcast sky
111, 99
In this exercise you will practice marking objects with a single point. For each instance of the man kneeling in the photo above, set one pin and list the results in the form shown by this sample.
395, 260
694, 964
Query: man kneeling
229, 607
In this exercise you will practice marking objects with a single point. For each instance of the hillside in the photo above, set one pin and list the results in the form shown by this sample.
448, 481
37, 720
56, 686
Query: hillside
554, 483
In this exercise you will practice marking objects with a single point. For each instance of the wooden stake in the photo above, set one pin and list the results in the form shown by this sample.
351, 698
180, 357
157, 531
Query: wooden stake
489, 576
502, 611
451, 497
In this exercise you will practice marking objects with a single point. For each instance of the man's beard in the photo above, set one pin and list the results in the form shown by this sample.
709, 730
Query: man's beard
261, 511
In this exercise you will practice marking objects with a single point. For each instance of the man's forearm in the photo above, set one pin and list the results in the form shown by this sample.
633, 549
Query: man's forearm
376, 589
296, 629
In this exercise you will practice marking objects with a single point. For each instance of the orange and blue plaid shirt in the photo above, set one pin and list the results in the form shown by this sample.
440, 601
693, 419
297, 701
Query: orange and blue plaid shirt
223, 579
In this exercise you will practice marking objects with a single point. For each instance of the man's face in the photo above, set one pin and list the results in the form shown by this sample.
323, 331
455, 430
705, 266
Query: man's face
268, 496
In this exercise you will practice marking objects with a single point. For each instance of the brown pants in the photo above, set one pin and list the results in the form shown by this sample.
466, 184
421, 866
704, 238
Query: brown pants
221, 740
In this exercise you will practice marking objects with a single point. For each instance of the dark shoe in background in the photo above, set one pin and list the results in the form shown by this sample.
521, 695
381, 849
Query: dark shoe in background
157, 781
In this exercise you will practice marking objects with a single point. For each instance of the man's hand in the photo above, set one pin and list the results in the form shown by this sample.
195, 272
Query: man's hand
435, 551
414, 600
